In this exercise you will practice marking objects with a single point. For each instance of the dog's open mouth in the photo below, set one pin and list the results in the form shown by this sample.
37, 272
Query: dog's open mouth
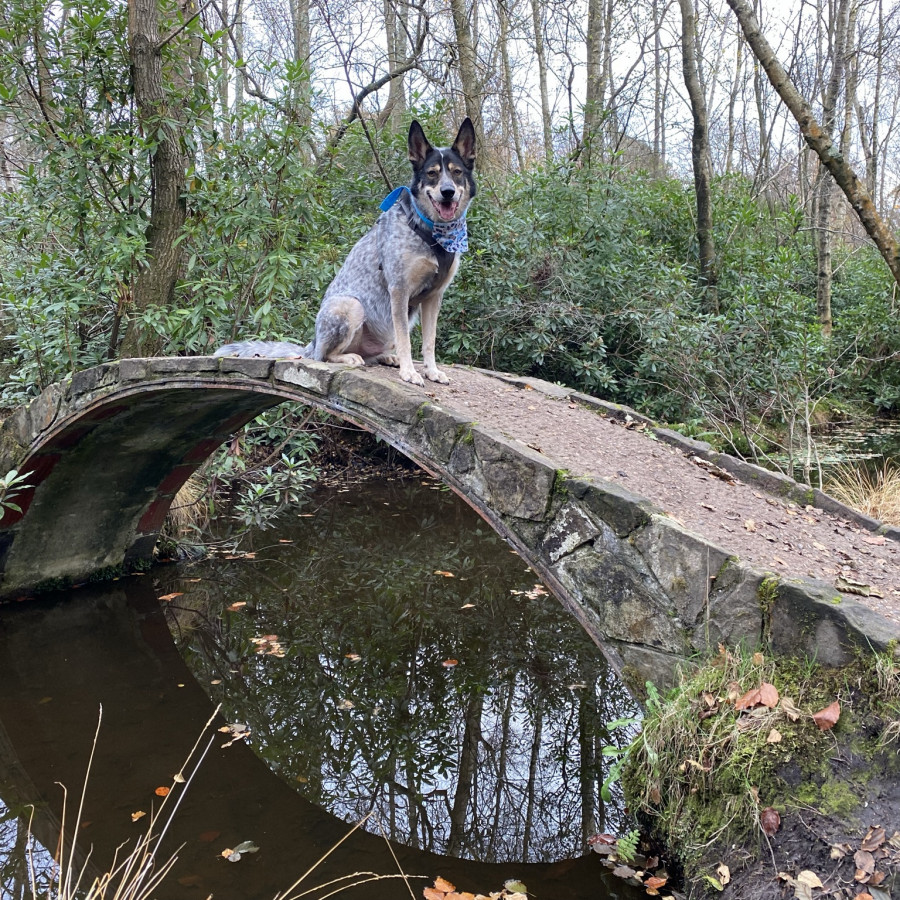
446, 209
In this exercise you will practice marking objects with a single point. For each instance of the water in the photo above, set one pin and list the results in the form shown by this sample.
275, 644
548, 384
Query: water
416, 648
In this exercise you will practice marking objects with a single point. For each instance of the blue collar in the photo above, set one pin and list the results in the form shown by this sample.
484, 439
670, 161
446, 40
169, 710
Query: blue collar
452, 236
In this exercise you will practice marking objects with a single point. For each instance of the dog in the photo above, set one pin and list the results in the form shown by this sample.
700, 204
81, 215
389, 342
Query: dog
398, 271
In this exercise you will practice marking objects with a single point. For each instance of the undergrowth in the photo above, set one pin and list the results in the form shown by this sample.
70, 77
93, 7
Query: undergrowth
875, 492
712, 757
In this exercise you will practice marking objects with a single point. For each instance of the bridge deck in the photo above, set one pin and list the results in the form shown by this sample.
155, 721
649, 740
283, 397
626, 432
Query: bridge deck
739, 516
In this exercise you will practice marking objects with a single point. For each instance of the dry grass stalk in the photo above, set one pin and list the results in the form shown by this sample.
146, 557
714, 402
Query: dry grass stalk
875, 492
188, 512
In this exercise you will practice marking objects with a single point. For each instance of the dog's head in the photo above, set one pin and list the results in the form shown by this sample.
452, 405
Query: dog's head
443, 183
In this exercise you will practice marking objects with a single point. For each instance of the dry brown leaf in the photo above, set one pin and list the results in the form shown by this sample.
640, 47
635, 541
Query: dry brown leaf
724, 874
445, 574
748, 701
790, 709
443, 885
655, 882
865, 863
770, 820
171, 596
758, 658
874, 838
624, 872
750, 525
807, 876
138, 815
430, 893
774, 737
827, 718
768, 695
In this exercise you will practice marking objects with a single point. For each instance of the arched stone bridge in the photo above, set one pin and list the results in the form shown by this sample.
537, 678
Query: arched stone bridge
105, 452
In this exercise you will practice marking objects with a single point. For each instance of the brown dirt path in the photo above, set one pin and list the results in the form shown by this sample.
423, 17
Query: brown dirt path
764, 530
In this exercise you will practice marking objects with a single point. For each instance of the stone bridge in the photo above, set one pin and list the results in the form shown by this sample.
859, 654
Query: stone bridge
105, 452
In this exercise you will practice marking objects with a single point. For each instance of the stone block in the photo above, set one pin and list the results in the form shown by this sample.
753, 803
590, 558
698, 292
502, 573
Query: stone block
519, 480
90, 380
688, 445
570, 529
388, 401
307, 374
621, 509
251, 367
735, 614
812, 618
682, 562
437, 431
608, 580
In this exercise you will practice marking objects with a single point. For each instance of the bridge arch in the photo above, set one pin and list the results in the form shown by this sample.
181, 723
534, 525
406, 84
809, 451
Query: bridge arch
105, 452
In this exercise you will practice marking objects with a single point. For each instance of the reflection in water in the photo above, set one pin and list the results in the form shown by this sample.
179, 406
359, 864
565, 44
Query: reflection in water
391, 654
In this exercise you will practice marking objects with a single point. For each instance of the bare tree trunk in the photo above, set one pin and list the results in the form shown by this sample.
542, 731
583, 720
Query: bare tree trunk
818, 140
511, 116
825, 204
595, 89
395, 25
468, 66
700, 156
154, 283
468, 766
732, 102
300, 28
531, 789
658, 126
541, 54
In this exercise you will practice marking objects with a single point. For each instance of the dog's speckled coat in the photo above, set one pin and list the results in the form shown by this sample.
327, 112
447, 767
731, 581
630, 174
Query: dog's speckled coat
395, 274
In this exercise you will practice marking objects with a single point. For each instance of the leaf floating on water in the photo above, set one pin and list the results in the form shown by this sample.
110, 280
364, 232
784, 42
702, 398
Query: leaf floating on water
346, 704
353, 657
468, 606
234, 607
171, 596
234, 854
450, 663
827, 718
138, 815
161, 791
178, 779
445, 574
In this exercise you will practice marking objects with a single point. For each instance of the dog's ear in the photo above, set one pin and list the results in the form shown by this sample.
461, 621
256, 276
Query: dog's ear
419, 148
464, 144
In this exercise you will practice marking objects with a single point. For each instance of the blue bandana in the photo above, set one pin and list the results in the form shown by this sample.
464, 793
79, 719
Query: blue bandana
452, 236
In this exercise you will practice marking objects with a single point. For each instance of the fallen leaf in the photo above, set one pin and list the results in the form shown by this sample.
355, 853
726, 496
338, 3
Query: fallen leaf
865, 862
827, 718
790, 709
624, 872
770, 820
879, 540
655, 882
750, 525
178, 779
768, 695
445, 574
809, 877
450, 663
774, 737
715, 883
514, 886
468, 606
758, 659
749, 700
171, 596
724, 874
161, 791
874, 838
441, 884
839, 851
234, 607
138, 815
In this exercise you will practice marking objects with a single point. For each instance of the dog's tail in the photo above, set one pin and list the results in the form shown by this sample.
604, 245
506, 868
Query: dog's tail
265, 349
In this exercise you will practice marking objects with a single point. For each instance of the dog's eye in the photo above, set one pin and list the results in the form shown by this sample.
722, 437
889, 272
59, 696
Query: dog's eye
433, 173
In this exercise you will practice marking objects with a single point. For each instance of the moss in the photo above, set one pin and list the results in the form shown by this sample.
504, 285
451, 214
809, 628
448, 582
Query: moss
699, 772
465, 433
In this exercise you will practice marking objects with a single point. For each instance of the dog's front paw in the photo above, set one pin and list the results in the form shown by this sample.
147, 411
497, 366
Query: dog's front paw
436, 375
388, 359
412, 376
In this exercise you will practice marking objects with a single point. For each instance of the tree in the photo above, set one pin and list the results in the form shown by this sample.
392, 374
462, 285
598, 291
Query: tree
818, 139
160, 115
699, 154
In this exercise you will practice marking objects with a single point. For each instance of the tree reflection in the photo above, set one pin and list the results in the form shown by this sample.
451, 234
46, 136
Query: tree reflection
425, 677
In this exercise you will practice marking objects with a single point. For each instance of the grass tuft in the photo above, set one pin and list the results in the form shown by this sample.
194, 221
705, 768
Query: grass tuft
875, 492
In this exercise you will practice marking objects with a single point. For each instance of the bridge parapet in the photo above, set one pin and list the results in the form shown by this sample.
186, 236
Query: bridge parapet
105, 452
